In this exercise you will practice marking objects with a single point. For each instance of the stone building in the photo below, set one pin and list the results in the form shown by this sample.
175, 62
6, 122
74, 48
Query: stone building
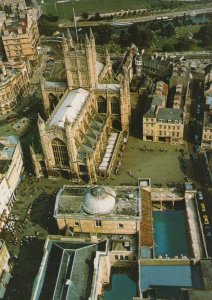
86, 111
207, 130
162, 124
4, 268
14, 83
179, 83
20, 36
153, 65
11, 167
86, 266
21, 4
98, 209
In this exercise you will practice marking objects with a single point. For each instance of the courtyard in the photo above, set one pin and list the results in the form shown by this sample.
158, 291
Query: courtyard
158, 161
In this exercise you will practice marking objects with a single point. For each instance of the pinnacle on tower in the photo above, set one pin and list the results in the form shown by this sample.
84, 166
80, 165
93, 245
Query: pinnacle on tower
67, 122
107, 55
64, 43
91, 35
70, 40
41, 124
87, 42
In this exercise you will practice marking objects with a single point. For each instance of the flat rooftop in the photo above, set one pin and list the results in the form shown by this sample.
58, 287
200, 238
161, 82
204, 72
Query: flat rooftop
69, 201
67, 267
7, 148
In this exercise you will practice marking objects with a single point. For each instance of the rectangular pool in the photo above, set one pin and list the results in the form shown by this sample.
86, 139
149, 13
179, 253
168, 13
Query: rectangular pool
123, 287
171, 233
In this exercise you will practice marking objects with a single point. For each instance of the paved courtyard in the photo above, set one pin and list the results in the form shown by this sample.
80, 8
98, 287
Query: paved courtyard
161, 167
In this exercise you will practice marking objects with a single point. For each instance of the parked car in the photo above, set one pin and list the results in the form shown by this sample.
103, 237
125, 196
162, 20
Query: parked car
200, 196
205, 219
202, 207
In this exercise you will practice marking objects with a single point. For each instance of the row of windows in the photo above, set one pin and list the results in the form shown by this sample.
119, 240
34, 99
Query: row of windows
207, 130
207, 137
98, 224
124, 257
169, 121
102, 105
169, 127
168, 133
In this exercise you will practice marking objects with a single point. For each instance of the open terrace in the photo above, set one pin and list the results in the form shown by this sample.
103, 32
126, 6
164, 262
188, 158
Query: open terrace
158, 161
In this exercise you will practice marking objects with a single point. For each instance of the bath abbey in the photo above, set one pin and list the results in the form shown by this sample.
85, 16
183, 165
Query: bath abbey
87, 112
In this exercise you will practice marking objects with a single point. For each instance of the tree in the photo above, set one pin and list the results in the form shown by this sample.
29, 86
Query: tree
85, 15
124, 38
144, 37
97, 16
104, 34
154, 25
183, 44
205, 35
168, 47
133, 31
168, 30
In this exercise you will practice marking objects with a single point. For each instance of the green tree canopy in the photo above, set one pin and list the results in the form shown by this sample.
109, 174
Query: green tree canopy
205, 35
168, 30
103, 34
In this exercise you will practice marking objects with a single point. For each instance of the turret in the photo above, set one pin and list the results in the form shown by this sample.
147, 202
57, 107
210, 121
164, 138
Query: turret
87, 42
69, 40
64, 44
107, 56
93, 49
36, 164
41, 123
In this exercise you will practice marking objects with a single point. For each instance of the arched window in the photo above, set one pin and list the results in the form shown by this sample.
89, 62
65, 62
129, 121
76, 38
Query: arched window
115, 107
60, 152
52, 101
102, 105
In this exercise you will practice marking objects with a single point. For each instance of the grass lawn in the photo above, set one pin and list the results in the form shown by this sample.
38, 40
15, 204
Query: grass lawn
93, 6
183, 31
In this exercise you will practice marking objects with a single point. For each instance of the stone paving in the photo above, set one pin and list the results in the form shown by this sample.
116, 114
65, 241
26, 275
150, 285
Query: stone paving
162, 166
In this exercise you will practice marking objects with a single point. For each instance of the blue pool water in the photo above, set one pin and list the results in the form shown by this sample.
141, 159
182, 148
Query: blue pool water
171, 233
123, 288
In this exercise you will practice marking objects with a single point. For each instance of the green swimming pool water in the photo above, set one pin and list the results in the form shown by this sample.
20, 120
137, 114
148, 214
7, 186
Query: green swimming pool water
122, 288
171, 233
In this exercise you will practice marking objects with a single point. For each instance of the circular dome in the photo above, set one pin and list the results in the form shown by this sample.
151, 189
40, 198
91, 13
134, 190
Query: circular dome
99, 200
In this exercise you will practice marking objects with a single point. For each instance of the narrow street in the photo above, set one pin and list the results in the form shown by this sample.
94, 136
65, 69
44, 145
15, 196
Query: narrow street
194, 135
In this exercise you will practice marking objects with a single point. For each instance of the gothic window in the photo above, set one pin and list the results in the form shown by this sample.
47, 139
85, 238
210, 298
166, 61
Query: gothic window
115, 107
52, 101
60, 152
102, 105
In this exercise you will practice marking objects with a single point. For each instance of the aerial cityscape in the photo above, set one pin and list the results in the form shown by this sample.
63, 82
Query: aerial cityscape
105, 149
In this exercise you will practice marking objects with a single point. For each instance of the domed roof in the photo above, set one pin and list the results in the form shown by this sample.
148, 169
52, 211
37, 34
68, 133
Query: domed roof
99, 200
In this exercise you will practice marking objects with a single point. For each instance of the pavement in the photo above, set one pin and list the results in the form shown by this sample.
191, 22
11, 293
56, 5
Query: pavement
33, 212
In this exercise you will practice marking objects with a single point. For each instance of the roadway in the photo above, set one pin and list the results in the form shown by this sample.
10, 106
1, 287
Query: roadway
199, 171
140, 19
